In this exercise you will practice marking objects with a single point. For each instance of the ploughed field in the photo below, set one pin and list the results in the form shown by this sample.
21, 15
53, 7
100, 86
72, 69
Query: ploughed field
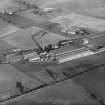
79, 81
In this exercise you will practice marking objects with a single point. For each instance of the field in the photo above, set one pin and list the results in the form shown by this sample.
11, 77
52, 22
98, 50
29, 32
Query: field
77, 82
22, 38
7, 29
52, 95
81, 21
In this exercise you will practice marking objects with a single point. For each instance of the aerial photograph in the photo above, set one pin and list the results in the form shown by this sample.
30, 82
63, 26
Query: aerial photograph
52, 52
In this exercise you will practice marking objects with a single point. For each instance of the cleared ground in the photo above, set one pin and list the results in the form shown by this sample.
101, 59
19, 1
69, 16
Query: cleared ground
8, 78
93, 82
4, 46
81, 21
7, 29
22, 38
44, 2
9, 6
38, 19
52, 95
93, 8
86, 84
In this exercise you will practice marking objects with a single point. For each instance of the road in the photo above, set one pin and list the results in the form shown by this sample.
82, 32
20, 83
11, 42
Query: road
80, 81
73, 70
